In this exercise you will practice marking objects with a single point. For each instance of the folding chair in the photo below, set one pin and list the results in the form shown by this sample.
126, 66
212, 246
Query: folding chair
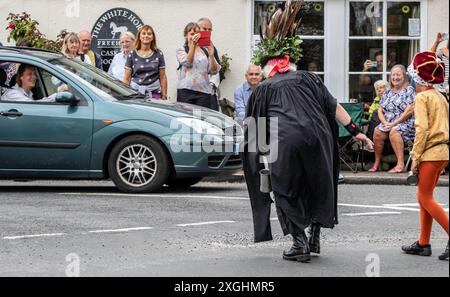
346, 141
409, 147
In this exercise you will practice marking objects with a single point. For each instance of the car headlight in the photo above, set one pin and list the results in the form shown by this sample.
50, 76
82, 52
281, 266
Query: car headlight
201, 127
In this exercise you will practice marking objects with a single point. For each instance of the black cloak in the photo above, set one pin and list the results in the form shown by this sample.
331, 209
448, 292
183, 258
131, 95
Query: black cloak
304, 176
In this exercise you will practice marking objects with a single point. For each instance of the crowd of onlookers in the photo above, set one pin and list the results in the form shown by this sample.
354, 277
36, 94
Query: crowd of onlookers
141, 65
391, 115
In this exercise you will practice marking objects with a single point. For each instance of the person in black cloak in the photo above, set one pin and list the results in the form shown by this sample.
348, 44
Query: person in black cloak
291, 130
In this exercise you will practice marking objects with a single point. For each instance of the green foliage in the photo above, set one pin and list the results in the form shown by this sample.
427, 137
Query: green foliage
278, 47
23, 27
225, 62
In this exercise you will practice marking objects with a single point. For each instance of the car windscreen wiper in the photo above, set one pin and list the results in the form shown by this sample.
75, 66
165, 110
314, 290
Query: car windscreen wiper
134, 96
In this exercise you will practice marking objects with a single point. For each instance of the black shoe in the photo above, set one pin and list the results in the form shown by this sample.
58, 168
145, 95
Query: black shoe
314, 238
300, 250
417, 249
444, 256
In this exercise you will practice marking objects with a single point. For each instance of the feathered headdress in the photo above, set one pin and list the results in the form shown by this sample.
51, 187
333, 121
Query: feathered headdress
280, 38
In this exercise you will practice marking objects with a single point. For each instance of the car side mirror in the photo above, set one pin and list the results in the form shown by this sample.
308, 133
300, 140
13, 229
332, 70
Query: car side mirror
67, 98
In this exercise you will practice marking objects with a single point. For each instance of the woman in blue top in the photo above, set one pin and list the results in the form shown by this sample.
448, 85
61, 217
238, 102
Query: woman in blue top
145, 69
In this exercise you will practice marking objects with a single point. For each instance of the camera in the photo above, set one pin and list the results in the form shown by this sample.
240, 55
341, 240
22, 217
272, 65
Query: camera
445, 36
374, 64
413, 179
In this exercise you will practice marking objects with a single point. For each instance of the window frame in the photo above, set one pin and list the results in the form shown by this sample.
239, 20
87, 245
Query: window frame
385, 39
336, 41
255, 38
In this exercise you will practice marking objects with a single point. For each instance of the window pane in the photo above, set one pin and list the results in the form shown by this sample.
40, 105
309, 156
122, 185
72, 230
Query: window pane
312, 19
54, 85
363, 50
51, 86
263, 11
366, 18
403, 18
401, 52
312, 13
361, 87
313, 54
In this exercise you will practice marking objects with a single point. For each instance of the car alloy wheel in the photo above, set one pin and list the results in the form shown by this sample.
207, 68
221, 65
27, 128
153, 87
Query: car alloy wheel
137, 165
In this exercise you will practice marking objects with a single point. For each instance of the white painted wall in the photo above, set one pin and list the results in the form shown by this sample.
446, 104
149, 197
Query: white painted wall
232, 27
437, 19
168, 18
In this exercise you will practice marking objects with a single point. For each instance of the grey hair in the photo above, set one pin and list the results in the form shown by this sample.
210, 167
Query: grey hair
69, 37
204, 19
253, 65
84, 32
404, 72
129, 35
380, 83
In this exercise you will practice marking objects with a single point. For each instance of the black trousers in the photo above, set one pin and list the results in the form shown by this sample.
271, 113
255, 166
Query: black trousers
373, 124
197, 98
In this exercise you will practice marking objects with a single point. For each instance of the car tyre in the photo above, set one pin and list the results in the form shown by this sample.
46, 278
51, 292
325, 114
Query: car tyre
138, 164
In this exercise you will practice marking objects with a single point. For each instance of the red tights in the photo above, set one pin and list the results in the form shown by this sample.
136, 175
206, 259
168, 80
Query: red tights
429, 173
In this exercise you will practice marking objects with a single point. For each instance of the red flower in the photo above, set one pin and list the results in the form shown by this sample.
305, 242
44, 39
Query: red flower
12, 26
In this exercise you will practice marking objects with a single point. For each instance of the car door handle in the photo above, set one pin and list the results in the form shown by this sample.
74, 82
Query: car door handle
11, 113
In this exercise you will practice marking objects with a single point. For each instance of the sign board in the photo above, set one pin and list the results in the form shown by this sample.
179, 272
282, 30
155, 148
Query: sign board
413, 27
107, 30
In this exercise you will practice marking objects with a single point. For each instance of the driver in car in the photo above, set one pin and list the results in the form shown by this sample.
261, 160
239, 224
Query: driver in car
25, 81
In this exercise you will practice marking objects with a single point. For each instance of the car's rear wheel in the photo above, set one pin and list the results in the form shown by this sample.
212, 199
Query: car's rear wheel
181, 183
138, 164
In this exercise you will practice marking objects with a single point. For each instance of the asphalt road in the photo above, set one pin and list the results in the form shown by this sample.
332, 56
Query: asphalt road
90, 229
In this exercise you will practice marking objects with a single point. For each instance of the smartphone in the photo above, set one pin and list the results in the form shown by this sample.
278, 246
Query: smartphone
205, 38
445, 36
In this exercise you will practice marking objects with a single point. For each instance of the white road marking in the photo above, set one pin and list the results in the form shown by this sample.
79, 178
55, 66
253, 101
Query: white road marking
33, 236
122, 230
381, 207
155, 196
371, 213
206, 223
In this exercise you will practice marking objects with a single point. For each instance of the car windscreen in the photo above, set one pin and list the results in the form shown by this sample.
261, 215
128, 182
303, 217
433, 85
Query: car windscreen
106, 86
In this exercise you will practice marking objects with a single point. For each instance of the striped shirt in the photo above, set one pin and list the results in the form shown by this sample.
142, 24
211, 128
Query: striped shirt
441, 87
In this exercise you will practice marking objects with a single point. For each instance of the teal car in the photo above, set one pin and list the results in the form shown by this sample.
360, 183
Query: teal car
99, 128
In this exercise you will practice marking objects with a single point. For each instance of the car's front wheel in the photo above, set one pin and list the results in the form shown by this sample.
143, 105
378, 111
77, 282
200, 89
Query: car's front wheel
138, 164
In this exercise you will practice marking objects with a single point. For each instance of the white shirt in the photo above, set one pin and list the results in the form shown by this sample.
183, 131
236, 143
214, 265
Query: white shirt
117, 67
18, 94
87, 60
